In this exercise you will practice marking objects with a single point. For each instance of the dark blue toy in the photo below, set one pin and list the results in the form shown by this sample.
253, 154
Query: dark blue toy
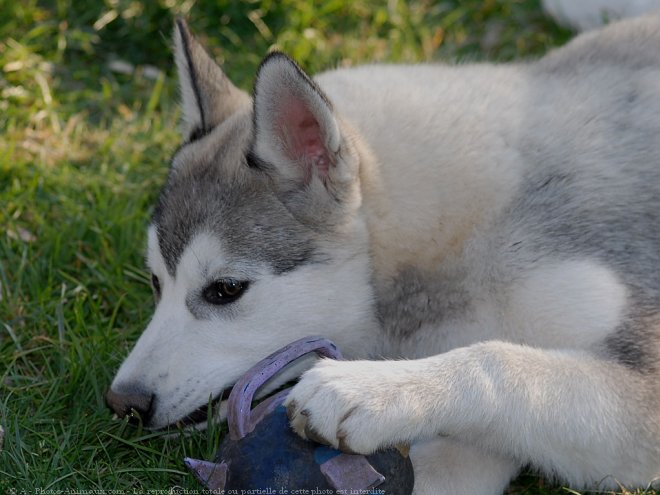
262, 452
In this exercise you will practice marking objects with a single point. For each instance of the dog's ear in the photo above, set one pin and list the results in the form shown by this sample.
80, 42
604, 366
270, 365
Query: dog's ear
295, 129
208, 96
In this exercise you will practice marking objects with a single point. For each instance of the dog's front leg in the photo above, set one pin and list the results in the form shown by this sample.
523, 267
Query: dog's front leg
566, 412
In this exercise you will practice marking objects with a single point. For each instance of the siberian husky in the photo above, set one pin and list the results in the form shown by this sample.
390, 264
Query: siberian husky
482, 241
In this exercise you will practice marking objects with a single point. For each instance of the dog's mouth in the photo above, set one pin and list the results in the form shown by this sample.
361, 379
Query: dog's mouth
201, 414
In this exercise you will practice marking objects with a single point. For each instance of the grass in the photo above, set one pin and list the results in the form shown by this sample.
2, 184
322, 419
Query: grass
88, 119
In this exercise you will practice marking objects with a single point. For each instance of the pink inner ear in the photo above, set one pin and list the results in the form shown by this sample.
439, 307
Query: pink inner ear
302, 137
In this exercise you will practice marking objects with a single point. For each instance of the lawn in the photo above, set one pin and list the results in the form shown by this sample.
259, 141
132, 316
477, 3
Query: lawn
88, 119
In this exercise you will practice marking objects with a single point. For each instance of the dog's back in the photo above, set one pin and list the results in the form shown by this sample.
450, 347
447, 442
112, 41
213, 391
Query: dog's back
527, 165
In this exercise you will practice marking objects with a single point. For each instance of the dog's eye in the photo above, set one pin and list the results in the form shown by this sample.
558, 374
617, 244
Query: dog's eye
224, 291
155, 283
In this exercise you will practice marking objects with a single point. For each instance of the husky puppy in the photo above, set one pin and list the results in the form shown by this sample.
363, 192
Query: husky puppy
482, 241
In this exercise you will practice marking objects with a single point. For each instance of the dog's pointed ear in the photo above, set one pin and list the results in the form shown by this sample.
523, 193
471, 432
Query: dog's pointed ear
295, 129
208, 96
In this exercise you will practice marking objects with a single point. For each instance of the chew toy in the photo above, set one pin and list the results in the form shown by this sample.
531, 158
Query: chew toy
262, 452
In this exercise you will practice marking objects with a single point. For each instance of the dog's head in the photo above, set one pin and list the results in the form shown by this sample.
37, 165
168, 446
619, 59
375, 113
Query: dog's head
257, 238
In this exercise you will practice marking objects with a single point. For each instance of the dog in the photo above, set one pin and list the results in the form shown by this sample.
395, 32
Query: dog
482, 242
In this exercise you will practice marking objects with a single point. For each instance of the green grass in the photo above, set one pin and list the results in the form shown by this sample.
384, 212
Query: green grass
83, 150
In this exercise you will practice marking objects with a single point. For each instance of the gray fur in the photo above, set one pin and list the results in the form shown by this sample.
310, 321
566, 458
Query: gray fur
208, 96
413, 299
618, 225
592, 49
240, 208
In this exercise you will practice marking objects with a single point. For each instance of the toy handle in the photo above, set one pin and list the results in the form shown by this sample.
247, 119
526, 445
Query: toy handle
240, 418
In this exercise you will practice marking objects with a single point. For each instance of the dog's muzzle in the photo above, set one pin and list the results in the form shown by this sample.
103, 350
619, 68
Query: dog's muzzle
129, 401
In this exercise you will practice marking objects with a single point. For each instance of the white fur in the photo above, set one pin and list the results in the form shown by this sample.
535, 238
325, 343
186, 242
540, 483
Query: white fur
481, 394
191, 113
448, 466
410, 232
182, 381
588, 14
547, 307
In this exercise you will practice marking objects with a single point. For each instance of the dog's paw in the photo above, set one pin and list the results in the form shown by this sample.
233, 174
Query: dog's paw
355, 406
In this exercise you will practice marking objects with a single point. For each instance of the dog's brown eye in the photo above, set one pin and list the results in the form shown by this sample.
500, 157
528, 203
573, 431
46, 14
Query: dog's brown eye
224, 291
155, 283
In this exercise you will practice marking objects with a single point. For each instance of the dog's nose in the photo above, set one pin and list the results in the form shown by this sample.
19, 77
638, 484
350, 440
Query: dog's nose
130, 401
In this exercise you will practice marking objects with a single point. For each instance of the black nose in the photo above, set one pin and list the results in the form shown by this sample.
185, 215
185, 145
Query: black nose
130, 401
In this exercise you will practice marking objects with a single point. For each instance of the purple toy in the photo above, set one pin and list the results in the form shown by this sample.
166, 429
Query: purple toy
262, 452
